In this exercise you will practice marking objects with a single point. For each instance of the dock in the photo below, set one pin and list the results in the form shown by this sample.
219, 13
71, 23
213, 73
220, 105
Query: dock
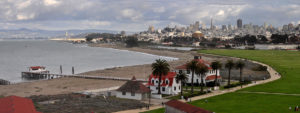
36, 76
4, 82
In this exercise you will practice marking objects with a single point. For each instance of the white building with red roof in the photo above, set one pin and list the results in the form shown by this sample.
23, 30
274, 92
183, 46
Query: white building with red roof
210, 75
169, 84
133, 90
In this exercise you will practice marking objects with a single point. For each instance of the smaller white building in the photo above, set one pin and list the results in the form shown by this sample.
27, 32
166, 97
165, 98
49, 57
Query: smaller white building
169, 84
133, 90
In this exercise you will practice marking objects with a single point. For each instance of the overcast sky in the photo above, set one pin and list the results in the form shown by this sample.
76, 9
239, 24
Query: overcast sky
137, 15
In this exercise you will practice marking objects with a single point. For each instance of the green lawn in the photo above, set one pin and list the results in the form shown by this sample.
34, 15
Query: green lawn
285, 62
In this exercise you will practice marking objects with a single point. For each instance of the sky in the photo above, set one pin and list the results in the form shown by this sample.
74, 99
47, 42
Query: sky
137, 15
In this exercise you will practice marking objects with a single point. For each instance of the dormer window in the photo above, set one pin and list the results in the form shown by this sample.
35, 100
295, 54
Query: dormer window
180, 71
152, 81
167, 81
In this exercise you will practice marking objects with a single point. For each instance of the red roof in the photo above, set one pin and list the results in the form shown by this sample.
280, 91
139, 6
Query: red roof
36, 67
134, 86
14, 104
169, 76
212, 77
185, 107
199, 61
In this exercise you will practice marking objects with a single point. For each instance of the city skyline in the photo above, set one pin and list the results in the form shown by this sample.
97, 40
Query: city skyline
133, 15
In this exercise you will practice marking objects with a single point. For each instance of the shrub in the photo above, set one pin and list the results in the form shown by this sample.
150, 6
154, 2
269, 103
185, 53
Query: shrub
237, 84
260, 68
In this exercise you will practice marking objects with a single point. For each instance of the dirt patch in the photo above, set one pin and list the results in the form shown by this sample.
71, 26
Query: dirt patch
78, 103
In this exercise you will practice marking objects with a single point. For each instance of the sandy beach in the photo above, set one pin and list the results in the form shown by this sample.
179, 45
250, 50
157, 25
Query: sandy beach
69, 85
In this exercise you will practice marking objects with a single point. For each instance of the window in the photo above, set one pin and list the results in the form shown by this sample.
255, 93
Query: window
188, 71
152, 82
179, 87
156, 81
167, 81
163, 89
132, 94
156, 88
174, 88
180, 71
123, 93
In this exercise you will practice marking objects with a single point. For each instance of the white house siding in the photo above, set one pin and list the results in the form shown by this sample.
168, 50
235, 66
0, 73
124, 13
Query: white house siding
196, 77
168, 89
138, 96
170, 109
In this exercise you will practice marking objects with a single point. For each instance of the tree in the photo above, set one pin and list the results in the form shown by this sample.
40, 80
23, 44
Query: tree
160, 68
229, 65
192, 65
240, 65
216, 65
131, 42
201, 71
91, 36
183, 78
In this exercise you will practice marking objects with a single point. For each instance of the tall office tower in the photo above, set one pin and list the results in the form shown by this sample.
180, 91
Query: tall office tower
229, 27
196, 26
203, 26
224, 27
239, 23
265, 25
290, 26
211, 24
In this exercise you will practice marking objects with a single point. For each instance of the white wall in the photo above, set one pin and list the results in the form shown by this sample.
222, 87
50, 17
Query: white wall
168, 89
138, 96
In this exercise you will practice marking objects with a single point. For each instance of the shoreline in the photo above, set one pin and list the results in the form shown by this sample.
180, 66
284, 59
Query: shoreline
70, 85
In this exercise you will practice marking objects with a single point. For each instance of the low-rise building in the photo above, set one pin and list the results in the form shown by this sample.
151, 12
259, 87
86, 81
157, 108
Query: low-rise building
133, 90
169, 84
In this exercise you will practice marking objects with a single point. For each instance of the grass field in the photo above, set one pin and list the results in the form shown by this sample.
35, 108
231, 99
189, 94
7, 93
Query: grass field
287, 63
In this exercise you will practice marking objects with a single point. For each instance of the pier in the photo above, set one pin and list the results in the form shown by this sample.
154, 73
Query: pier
4, 82
36, 76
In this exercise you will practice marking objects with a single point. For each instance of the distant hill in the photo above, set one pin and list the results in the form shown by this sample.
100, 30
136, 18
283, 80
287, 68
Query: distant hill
46, 34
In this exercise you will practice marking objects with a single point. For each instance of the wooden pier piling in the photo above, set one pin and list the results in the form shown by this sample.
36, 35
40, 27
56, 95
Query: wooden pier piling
4, 82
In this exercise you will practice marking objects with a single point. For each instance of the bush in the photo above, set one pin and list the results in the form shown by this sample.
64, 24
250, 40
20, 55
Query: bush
260, 68
237, 84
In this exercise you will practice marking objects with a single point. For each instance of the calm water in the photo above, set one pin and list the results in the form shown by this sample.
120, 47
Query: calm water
17, 56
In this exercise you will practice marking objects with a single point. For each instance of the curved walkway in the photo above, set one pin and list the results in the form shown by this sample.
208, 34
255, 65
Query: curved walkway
274, 75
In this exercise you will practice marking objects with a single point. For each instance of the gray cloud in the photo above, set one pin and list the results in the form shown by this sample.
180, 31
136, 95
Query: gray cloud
135, 15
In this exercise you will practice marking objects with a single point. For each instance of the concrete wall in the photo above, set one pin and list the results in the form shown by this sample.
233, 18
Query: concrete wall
138, 96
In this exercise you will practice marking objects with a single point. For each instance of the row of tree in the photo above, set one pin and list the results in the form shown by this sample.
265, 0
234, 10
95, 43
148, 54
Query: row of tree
161, 68
275, 38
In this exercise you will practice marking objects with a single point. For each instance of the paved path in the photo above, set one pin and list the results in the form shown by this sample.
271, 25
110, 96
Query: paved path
269, 93
274, 75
